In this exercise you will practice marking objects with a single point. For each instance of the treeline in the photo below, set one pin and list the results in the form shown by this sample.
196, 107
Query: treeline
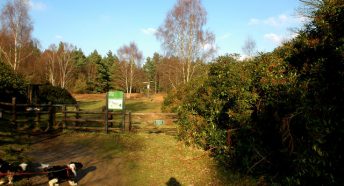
279, 115
68, 67
64, 65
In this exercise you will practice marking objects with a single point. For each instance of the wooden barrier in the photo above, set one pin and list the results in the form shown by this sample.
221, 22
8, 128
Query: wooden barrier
33, 113
57, 115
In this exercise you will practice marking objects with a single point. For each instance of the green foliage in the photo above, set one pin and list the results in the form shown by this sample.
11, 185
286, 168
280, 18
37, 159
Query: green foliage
103, 80
94, 73
212, 107
55, 95
78, 58
151, 69
91, 71
11, 85
279, 114
317, 56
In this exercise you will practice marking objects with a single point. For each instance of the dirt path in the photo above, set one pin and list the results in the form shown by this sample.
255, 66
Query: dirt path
100, 168
131, 159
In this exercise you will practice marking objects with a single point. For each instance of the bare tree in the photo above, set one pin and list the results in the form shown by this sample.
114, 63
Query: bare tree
249, 47
130, 58
16, 25
171, 72
183, 36
65, 63
51, 63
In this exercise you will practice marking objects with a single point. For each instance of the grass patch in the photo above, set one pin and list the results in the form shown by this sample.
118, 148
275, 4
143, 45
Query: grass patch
92, 105
10, 145
130, 105
139, 159
14, 143
134, 105
143, 105
148, 158
164, 161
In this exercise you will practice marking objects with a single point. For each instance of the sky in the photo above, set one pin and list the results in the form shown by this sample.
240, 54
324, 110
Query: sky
105, 25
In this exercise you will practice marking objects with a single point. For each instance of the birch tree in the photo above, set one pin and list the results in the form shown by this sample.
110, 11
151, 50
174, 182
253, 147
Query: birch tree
51, 63
65, 63
183, 36
130, 58
17, 27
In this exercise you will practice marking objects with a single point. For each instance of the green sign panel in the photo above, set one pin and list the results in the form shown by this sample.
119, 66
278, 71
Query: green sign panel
115, 100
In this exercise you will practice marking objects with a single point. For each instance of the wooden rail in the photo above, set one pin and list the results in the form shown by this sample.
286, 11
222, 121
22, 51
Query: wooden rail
70, 116
54, 115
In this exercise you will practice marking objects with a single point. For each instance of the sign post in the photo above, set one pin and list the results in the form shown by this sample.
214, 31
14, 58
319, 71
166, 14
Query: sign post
114, 101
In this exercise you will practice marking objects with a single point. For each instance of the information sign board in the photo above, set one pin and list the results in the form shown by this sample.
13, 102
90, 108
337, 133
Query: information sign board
115, 100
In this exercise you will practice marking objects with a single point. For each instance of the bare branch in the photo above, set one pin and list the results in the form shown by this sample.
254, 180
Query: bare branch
130, 58
17, 26
182, 35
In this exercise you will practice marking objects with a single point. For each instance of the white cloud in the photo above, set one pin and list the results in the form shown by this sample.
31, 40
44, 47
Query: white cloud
148, 31
37, 5
272, 21
277, 21
279, 39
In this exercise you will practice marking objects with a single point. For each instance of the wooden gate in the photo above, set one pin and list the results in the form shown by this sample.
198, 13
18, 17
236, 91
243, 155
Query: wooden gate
70, 116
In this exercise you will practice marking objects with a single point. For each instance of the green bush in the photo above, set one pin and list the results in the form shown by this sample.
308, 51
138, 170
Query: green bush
279, 115
212, 107
11, 85
55, 95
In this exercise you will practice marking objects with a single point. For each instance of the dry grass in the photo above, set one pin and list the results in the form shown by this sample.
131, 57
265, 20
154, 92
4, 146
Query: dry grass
137, 102
146, 158
163, 159
133, 159
89, 97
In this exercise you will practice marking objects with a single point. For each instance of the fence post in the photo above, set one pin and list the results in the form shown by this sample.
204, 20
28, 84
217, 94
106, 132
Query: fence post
14, 113
129, 121
77, 114
37, 118
64, 111
123, 120
52, 114
107, 114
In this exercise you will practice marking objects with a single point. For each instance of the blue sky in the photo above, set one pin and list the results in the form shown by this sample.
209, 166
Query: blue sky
109, 24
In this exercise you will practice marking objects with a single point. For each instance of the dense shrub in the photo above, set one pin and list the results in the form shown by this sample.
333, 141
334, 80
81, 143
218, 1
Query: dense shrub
56, 95
11, 85
317, 126
214, 108
278, 115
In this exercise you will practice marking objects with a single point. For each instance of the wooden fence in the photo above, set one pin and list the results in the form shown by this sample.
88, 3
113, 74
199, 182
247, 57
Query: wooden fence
67, 116
70, 116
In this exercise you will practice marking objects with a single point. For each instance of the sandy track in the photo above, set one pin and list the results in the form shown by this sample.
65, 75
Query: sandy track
98, 169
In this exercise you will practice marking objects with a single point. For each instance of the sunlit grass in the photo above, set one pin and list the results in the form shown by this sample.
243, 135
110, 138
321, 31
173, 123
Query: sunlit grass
91, 105
144, 105
163, 160
148, 158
